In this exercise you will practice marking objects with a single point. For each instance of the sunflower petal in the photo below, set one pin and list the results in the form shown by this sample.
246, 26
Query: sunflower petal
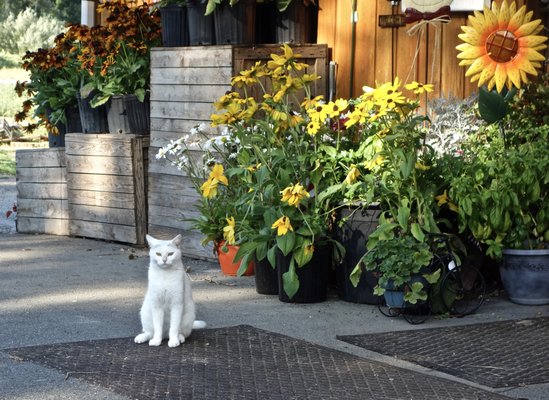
503, 16
517, 19
478, 65
527, 29
472, 52
476, 22
530, 54
513, 75
491, 84
531, 41
487, 74
464, 63
500, 76
490, 20
472, 38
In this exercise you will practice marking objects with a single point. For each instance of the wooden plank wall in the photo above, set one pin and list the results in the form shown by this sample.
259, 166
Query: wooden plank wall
383, 53
106, 177
184, 84
42, 205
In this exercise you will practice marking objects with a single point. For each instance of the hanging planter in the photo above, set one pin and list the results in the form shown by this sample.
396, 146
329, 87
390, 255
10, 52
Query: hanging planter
228, 266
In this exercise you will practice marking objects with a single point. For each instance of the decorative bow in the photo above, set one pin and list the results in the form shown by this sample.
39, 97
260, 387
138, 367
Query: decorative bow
413, 15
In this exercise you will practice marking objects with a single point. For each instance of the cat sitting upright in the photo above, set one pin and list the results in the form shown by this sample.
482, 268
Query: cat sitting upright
168, 308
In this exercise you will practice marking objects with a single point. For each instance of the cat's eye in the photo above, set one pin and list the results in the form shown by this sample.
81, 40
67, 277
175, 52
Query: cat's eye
170, 254
158, 254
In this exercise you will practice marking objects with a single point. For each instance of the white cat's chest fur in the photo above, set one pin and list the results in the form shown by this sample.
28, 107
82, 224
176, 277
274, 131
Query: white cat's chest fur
166, 286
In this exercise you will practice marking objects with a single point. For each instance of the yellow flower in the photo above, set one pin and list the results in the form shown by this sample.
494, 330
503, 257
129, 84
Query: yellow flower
352, 175
209, 188
228, 230
334, 109
422, 166
309, 249
311, 103
217, 174
313, 128
282, 225
253, 168
420, 88
501, 46
293, 194
444, 199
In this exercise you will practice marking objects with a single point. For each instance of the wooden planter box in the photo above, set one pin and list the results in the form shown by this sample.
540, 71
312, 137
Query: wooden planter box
42, 205
185, 81
106, 177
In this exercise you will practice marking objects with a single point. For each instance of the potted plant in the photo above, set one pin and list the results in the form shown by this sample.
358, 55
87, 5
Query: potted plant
502, 189
54, 79
173, 17
203, 159
117, 57
401, 263
284, 166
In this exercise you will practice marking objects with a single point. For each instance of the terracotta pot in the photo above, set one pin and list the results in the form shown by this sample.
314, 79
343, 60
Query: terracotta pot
228, 267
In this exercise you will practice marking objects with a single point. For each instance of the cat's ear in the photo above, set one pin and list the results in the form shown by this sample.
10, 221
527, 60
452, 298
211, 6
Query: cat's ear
177, 240
151, 241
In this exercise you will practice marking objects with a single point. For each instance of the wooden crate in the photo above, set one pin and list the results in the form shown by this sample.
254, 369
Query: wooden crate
106, 178
42, 205
185, 82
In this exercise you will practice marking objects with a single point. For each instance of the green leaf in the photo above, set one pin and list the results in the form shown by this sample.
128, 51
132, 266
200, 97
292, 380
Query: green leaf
417, 232
491, 105
286, 242
301, 255
403, 216
290, 281
244, 264
271, 256
356, 273
415, 293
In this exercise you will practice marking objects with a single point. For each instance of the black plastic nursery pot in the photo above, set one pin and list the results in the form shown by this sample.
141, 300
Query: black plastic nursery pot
525, 276
93, 120
266, 277
138, 113
173, 19
72, 114
313, 276
353, 235
201, 27
236, 24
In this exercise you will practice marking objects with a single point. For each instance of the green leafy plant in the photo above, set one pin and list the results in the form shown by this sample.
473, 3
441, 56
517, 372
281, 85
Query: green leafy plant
398, 262
281, 5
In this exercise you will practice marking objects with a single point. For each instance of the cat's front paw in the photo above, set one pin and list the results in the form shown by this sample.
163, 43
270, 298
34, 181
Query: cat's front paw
155, 342
142, 338
174, 342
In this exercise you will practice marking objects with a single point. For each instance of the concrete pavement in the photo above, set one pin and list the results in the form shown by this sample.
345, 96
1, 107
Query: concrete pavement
60, 289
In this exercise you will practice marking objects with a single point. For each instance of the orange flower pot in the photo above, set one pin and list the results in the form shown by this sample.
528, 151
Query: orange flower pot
228, 267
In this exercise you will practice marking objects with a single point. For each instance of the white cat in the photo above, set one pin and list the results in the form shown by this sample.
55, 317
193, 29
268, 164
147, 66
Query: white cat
168, 307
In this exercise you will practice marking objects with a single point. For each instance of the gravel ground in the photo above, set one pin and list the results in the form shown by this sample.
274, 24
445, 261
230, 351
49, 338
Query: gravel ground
8, 197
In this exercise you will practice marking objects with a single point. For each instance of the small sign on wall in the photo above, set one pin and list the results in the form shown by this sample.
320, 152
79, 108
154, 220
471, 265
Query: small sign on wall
430, 6
469, 5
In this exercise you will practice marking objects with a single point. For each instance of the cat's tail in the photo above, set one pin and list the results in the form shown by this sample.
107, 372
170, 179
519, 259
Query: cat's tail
197, 324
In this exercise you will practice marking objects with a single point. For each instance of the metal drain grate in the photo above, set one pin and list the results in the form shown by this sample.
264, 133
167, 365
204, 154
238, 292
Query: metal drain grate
498, 354
240, 362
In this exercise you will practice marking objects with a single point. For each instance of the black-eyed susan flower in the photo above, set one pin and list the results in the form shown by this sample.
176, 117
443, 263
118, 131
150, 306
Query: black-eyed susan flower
444, 199
501, 46
217, 174
282, 226
293, 194
229, 230
352, 175
420, 88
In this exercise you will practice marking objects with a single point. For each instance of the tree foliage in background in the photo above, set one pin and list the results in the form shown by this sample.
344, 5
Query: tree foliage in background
27, 30
64, 10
